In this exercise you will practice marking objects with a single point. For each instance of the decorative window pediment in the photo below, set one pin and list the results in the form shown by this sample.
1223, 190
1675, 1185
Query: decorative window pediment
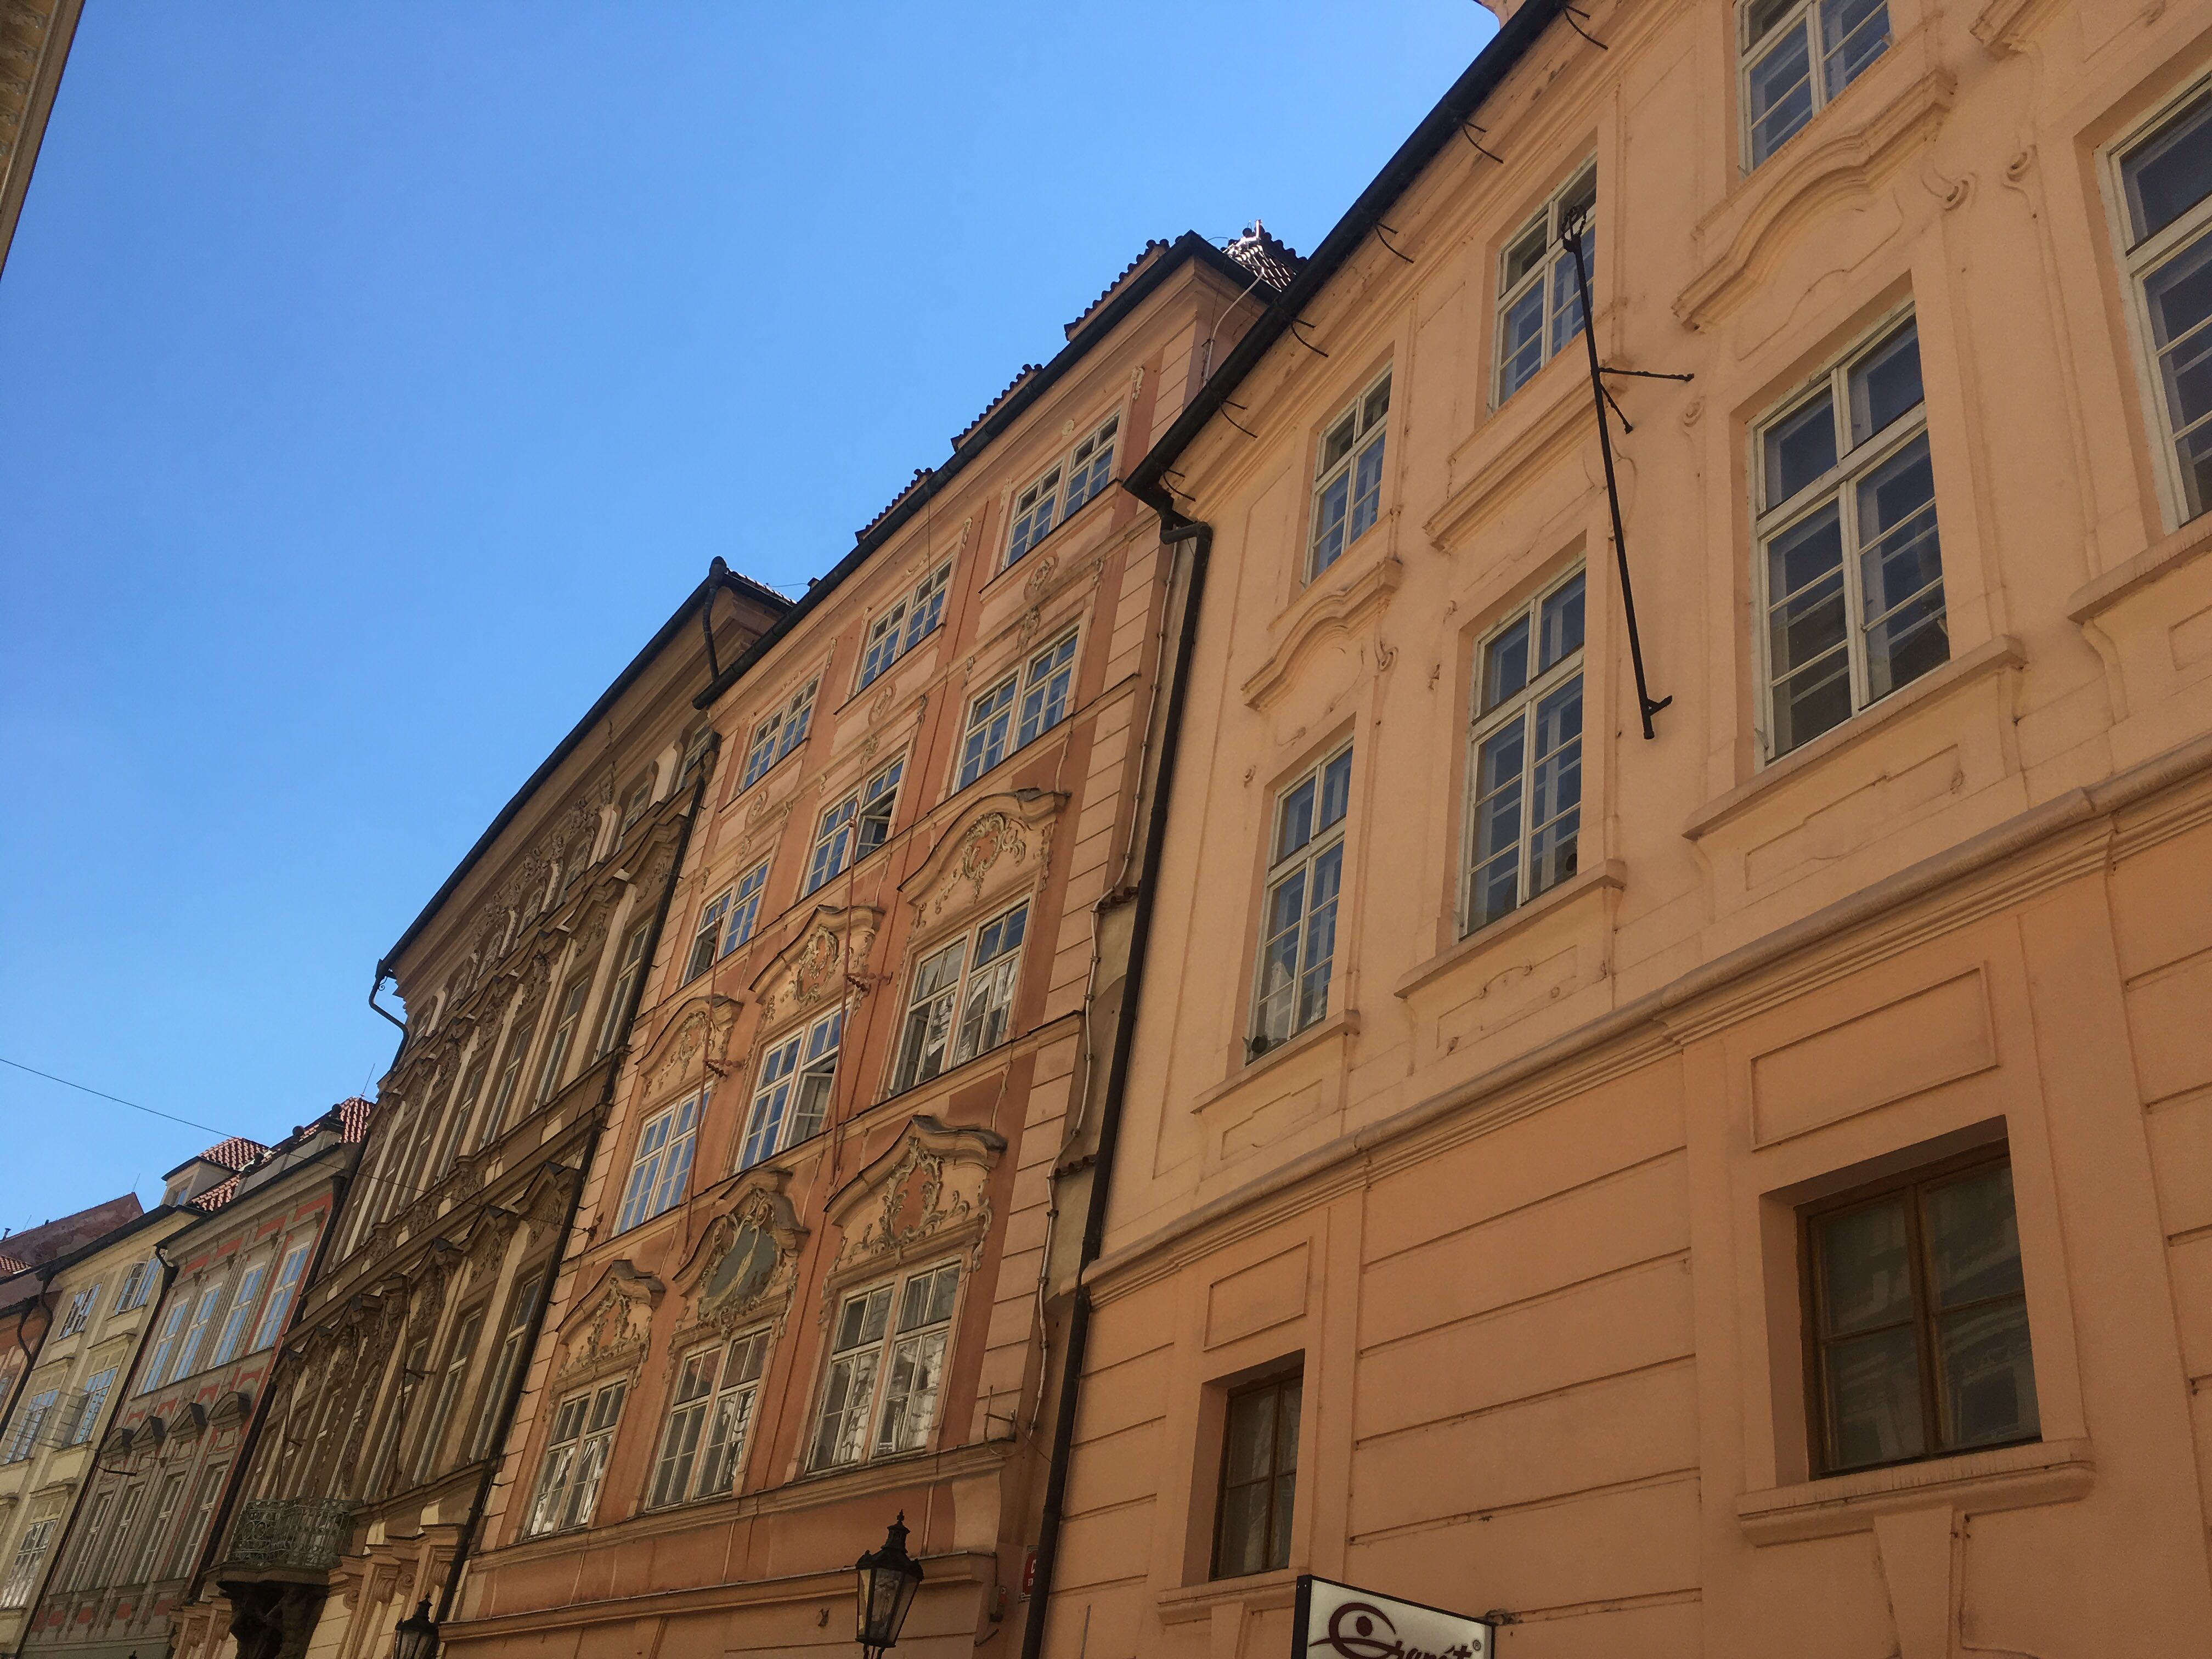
608, 1329
996, 849
747, 1260
190, 1421
693, 1042
924, 1194
230, 1409
812, 970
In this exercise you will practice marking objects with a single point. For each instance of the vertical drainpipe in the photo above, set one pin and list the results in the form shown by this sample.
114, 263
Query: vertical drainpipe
618, 1053
1174, 530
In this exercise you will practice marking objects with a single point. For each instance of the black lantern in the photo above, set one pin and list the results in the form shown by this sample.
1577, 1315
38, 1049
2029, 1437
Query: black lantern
888, 1577
416, 1636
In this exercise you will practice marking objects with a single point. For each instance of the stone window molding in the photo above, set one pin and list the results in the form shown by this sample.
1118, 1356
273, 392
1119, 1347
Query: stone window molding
830, 949
608, 1329
691, 1048
745, 1266
994, 851
924, 1195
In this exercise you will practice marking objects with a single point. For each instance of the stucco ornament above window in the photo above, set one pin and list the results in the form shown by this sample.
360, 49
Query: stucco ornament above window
693, 1043
746, 1261
922, 1195
611, 1326
998, 846
829, 950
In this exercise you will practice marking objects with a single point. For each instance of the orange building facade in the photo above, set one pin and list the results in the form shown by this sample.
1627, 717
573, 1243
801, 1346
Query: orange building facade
808, 1291
1742, 1189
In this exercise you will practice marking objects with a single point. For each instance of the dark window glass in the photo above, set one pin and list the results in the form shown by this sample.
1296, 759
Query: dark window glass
1259, 1476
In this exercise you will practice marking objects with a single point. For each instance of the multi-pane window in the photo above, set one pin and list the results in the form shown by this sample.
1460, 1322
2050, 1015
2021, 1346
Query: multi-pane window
195, 1333
460, 1113
193, 1532
1526, 769
172, 1493
1297, 934
90, 1403
138, 1283
663, 1163
625, 988
962, 1001
165, 1344
576, 1459
449, 1392
990, 724
1850, 569
520, 1312
1539, 301
1259, 1478
905, 625
777, 735
726, 921
79, 1312
118, 1540
1042, 689
793, 1096
510, 1078
1347, 494
29, 1420
30, 1555
1054, 498
855, 827
1045, 684
634, 807
2165, 181
241, 1309
1797, 55
1919, 1321
86, 1549
570, 1017
880, 1395
710, 1410
287, 1286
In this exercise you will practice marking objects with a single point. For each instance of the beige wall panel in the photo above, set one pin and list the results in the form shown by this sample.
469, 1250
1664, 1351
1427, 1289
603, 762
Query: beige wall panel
1115, 1397
2173, 1040
2181, 1133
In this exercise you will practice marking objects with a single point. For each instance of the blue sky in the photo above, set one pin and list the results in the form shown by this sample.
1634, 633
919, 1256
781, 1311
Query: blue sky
379, 376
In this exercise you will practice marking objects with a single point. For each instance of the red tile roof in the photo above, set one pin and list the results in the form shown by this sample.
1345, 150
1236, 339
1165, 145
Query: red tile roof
1153, 249
235, 1154
215, 1196
968, 430
9, 1264
353, 1113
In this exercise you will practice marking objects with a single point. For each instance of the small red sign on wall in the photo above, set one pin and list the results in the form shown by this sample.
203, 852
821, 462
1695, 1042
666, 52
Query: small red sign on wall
1029, 1573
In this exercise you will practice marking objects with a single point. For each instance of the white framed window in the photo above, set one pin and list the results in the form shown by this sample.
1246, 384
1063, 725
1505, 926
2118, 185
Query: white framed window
708, 934
29, 1420
460, 1113
570, 1017
79, 1313
1297, 932
1797, 55
634, 804
90, 1404
855, 827
576, 1459
520, 1313
450, 1384
188, 1356
137, 1285
30, 1555
193, 1533
905, 625
86, 1550
1054, 498
1347, 491
880, 1396
1540, 302
1525, 758
171, 1494
694, 750
625, 987
726, 921
962, 1001
116, 1544
663, 1165
241, 1309
280, 1294
164, 1343
792, 1100
703, 1445
777, 735
2161, 181
1041, 687
1850, 567
510, 1078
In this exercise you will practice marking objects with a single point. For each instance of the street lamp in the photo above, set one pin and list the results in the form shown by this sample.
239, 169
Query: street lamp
888, 1577
416, 1635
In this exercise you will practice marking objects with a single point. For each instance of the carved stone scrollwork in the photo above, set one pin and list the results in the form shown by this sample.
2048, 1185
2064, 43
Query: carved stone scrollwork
610, 1326
747, 1260
818, 965
1001, 843
924, 1194
692, 1043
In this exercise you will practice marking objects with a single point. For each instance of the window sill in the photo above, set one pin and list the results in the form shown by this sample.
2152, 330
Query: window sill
1113, 487
2008, 1477
1254, 1592
1612, 874
1344, 1023
2160, 559
1988, 657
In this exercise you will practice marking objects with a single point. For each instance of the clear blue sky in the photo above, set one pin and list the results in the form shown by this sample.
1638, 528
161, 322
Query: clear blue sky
378, 378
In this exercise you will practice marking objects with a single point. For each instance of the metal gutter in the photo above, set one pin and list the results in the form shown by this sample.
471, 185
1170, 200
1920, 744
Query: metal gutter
1512, 43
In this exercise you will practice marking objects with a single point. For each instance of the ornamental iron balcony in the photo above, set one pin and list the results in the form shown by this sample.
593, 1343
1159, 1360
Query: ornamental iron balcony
292, 1532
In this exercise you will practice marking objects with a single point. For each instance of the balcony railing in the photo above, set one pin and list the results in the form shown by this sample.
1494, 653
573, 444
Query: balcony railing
292, 1532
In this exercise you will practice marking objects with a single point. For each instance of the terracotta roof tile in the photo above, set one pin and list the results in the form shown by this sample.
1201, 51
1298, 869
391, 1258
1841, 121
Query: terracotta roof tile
1275, 263
1153, 249
921, 476
991, 408
235, 1154
353, 1115
217, 1196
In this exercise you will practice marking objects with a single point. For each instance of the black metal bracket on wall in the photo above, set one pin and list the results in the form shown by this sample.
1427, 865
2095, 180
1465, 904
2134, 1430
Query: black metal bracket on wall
1571, 236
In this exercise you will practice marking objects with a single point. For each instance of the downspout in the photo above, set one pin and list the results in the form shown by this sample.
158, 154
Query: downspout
1174, 529
575, 1198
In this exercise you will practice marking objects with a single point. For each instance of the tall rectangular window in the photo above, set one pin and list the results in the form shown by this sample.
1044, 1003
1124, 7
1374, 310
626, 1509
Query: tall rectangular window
1045, 684
241, 1309
570, 1017
657, 1178
115, 1547
193, 1533
903, 625
990, 724
1540, 302
1525, 775
172, 1493
1297, 934
1797, 55
188, 1356
1918, 1326
2164, 180
1042, 687
30, 1555
777, 735
726, 921
79, 1314
792, 1098
962, 1001
164, 1343
136, 1285
708, 934
1054, 498
576, 1459
1850, 567
703, 1444
90, 1404
510, 1079
448, 1398
879, 1397
85, 1551
1259, 1478
855, 827
460, 1113
635, 805
28, 1421
281, 1296
1348, 492
520, 1312
625, 987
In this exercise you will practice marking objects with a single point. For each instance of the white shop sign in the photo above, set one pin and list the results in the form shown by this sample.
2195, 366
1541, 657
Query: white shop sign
1341, 1621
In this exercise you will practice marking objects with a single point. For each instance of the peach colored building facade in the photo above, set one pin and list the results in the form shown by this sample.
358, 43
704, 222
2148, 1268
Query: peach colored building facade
809, 1292
1746, 1191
